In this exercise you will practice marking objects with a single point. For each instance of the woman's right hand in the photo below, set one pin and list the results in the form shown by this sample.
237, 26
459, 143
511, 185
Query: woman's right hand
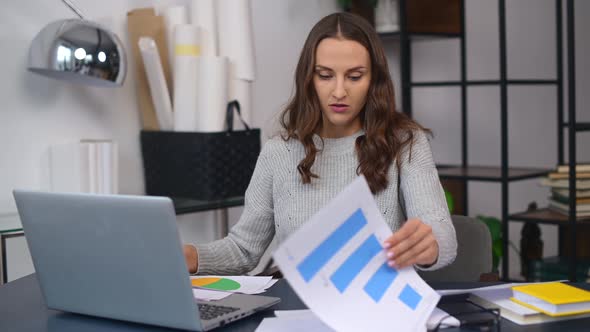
191, 257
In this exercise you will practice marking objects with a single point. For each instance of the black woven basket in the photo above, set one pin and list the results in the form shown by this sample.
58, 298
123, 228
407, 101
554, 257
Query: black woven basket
205, 166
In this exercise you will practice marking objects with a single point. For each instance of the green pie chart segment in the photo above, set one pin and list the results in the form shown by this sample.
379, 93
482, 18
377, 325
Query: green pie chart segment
222, 284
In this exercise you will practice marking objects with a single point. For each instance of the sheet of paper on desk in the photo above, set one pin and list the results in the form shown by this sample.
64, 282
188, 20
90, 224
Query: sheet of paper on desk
437, 316
445, 292
336, 264
234, 284
292, 324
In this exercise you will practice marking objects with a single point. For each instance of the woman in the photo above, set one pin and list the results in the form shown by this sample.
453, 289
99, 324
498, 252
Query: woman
340, 123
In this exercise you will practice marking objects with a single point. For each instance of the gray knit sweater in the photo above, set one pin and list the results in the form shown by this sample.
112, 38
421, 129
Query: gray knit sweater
278, 203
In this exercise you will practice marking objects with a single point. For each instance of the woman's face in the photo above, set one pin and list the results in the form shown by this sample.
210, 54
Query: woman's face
341, 80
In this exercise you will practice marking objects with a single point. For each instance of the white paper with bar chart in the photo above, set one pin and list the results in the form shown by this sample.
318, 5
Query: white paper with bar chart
337, 266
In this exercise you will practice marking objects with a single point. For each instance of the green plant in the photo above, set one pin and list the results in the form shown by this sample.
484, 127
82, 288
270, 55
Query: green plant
450, 201
495, 227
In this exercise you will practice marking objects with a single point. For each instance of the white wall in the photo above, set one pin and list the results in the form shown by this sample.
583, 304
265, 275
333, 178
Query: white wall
37, 112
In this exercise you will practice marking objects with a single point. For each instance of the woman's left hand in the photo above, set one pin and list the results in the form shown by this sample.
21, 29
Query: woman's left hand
413, 243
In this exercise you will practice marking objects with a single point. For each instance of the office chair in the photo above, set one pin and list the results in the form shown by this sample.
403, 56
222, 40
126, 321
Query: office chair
474, 254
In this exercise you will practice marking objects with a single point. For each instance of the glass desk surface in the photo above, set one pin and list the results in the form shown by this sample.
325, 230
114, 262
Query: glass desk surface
10, 222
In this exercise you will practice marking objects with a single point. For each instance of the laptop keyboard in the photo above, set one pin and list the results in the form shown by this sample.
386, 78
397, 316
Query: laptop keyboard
210, 311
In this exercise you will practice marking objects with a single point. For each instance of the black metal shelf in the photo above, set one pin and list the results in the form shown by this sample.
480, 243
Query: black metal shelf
489, 173
547, 216
485, 82
580, 126
557, 268
494, 174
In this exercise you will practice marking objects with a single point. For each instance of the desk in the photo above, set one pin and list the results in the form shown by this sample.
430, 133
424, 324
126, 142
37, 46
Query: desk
22, 309
10, 227
190, 205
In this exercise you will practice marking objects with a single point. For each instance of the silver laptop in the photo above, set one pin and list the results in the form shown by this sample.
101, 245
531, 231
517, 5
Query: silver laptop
119, 257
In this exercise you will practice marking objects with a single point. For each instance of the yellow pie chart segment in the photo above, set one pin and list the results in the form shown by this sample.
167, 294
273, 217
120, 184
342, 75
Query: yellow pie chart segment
222, 284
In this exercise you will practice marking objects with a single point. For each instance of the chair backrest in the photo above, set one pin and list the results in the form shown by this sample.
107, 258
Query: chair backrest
474, 253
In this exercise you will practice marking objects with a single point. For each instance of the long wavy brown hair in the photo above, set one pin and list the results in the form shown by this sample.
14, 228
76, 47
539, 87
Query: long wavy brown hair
387, 132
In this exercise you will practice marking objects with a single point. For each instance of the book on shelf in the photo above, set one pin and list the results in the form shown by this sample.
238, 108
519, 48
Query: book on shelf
552, 298
566, 207
585, 167
558, 197
581, 184
566, 192
557, 175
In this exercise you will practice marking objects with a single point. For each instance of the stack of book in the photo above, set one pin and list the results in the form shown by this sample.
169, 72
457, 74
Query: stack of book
87, 166
553, 298
502, 297
558, 181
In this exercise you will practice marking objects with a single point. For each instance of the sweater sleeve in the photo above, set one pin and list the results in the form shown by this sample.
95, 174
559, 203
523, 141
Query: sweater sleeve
240, 251
424, 198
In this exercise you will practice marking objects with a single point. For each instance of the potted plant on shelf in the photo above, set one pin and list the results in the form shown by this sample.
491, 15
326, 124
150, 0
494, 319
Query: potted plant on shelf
495, 227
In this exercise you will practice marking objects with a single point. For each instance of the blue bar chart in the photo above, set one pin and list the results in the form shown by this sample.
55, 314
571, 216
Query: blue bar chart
325, 251
336, 264
381, 280
355, 263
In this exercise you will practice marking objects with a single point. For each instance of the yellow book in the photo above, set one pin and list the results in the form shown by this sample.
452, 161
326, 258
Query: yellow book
552, 298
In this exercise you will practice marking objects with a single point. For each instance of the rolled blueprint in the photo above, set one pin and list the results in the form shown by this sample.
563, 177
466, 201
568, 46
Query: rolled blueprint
157, 82
236, 40
212, 93
203, 15
172, 16
186, 74
187, 40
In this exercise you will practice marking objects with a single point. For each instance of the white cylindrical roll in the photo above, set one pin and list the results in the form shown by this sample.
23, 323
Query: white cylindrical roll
187, 40
212, 93
241, 90
186, 52
172, 16
236, 39
203, 15
156, 82
186, 74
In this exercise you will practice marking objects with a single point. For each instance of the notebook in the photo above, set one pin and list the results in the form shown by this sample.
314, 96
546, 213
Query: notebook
553, 298
119, 257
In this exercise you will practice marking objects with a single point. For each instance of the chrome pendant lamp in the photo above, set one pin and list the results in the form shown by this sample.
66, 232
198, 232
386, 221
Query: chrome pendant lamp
78, 51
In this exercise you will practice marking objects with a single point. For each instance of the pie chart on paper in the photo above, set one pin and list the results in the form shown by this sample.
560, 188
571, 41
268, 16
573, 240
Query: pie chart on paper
222, 284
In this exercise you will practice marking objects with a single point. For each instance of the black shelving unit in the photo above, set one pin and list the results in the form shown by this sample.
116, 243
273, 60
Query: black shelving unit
504, 174
546, 215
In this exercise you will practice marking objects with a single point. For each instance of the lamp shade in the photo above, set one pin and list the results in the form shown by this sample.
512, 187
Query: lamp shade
78, 51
